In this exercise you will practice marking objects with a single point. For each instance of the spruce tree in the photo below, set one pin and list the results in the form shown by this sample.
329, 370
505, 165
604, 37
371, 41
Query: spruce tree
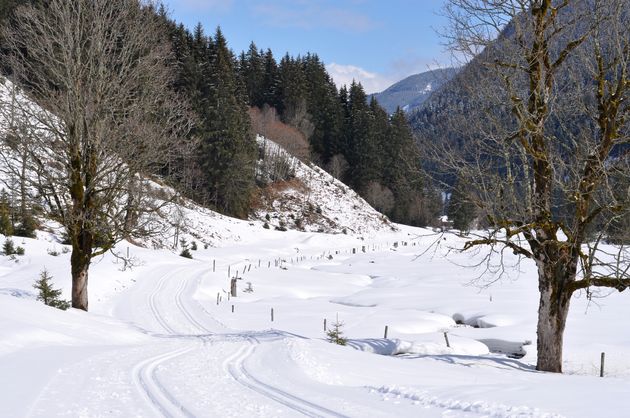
461, 211
271, 81
228, 149
335, 334
6, 226
48, 294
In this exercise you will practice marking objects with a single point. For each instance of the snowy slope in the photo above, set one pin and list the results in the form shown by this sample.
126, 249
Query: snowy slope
313, 200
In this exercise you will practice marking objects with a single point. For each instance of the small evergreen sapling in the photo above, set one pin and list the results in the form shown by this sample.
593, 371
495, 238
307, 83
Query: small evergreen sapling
335, 334
48, 294
8, 248
185, 250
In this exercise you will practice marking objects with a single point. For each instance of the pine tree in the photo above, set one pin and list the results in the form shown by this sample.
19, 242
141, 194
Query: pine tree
335, 334
461, 211
228, 149
361, 146
252, 74
271, 81
6, 226
48, 294
8, 248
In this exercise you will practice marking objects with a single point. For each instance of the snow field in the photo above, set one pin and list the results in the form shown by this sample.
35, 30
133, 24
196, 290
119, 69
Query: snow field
157, 344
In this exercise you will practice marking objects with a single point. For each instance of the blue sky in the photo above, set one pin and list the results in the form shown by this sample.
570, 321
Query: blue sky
377, 42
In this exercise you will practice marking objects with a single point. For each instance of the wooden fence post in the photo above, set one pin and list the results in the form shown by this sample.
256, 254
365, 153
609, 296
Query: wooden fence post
233, 287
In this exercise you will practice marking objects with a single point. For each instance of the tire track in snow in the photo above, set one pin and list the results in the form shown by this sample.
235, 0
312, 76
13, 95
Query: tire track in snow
145, 379
235, 365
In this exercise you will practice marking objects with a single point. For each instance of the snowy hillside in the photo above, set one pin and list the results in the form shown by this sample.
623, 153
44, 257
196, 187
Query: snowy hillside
313, 200
410, 93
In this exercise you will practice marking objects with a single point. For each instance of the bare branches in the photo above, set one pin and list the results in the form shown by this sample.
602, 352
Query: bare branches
101, 117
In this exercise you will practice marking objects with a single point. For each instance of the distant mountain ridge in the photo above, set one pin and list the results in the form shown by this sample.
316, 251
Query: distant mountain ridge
410, 93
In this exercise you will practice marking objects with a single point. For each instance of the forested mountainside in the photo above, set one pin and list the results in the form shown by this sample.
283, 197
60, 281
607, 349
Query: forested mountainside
410, 93
346, 133
481, 105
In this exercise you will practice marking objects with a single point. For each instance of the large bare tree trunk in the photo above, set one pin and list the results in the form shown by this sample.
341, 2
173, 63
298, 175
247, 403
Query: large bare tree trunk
80, 264
552, 316
556, 273
79, 285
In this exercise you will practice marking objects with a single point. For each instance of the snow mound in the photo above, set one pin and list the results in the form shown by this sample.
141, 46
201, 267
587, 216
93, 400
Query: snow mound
431, 345
314, 201
27, 324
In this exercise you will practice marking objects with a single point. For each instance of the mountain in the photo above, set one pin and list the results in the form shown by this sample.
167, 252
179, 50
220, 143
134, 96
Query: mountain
410, 93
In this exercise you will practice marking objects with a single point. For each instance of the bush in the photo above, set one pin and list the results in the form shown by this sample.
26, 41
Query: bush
27, 227
8, 248
20, 250
193, 246
266, 225
185, 253
48, 294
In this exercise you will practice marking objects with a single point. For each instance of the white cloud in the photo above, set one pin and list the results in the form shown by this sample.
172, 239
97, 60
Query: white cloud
372, 82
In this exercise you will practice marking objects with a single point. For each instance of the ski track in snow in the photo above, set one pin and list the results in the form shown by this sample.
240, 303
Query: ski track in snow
144, 377
153, 307
235, 365
182, 307
165, 402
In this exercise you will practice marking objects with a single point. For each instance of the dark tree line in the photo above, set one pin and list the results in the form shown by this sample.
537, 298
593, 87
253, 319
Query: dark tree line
349, 135
222, 168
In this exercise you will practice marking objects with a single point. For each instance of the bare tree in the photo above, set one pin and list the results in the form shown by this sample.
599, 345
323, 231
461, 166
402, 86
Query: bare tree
104, 117
546, 150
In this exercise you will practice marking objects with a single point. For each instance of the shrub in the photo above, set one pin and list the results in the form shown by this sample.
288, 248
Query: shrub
20, 250
8, 248
185, 253
266, 225
27, 227
193, 245
48, 294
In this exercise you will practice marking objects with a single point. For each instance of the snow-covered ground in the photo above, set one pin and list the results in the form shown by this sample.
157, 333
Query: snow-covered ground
157, 343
